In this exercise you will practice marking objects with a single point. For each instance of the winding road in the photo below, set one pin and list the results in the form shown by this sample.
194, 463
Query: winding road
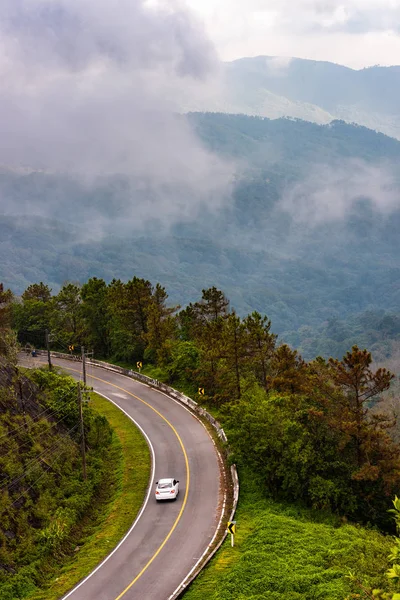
167, 539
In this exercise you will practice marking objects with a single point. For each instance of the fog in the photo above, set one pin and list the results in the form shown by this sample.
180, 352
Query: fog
88, 91
329, 193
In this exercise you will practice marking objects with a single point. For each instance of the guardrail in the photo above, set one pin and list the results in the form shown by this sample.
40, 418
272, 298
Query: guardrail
200, 411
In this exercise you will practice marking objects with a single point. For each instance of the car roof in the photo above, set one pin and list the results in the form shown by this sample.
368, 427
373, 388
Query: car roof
168, 479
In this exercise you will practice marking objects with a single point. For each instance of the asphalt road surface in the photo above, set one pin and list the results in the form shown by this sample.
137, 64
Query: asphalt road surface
168, 538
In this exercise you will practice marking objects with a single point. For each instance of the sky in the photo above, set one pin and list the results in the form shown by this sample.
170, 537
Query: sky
355, 33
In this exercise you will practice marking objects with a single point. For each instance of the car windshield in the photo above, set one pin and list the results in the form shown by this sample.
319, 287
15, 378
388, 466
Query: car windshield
164, 484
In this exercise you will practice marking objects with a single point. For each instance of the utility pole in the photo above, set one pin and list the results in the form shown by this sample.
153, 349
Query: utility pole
84, 365
83, 449
48, 349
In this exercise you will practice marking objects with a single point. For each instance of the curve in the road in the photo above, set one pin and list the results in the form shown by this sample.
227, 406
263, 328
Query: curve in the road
165, 541
141, 510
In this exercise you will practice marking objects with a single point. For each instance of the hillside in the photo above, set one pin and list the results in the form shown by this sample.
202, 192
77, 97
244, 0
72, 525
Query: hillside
311, 90
310, 232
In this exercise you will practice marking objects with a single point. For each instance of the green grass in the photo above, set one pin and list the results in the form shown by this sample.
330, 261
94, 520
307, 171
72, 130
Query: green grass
120, 499
285, 552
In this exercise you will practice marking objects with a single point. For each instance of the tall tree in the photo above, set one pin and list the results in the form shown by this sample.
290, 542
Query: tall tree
128, 307
288, 371
37, 291
260, 345
361, 387
138, 298
8, 345
32, 316
67, 323
161, 326
209, 371
6, 297
234, 347
95, 315
122, 339
190, 322
213, 304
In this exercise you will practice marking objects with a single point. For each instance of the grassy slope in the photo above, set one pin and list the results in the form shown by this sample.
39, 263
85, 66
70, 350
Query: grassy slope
120, 500
283, 552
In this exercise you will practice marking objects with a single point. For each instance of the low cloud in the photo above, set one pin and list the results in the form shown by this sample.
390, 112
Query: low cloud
84, 93
329, 193
278, 65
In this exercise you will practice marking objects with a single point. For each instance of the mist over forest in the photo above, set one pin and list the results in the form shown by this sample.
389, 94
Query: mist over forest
228, 225
103, 175
308, 232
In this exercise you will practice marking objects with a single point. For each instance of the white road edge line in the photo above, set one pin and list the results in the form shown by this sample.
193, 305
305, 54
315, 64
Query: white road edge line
183, 583
142, 509
181, 586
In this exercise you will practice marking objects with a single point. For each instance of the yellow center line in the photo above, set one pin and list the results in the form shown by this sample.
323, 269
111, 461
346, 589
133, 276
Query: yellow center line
128, 587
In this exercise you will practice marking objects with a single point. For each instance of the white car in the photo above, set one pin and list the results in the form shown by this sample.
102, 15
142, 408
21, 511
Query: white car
167, 489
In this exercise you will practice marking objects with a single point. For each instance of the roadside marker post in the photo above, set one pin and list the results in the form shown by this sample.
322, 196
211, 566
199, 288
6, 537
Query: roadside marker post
139, 365
232, 530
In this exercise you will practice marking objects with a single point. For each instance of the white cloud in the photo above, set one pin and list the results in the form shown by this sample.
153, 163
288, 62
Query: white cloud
83, 86
356, 33
329, 193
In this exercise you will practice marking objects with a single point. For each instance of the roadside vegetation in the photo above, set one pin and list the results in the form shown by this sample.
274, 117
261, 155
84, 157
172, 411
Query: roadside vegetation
313, 434
284, 551
57, 525
117, 504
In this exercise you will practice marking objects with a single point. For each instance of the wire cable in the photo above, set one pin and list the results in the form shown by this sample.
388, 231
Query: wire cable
52, 424
34, 483
36, 417
35, 460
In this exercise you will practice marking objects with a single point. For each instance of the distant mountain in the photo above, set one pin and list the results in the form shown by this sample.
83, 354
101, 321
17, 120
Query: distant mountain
309, 234
311, 90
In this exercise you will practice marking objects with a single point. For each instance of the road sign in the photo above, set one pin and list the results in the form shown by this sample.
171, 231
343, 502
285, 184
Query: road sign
71, 348
232, 527
139, 364
201, 391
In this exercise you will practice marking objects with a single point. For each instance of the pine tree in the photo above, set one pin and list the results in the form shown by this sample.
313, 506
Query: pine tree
361, 388
161, 326
95, 315
213, 304
260, 345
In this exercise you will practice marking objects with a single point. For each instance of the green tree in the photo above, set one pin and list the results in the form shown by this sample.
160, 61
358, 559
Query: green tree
185, 357
213, 305
234, 348
161, 327
288, 371
128, 307
95, 314
189, 322
139, 296
32, 316
37, 291
67, 326
360, 386
8, 343
260, 345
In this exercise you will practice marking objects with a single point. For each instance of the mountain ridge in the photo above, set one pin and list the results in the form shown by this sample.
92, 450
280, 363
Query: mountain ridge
316, 91
257, 247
